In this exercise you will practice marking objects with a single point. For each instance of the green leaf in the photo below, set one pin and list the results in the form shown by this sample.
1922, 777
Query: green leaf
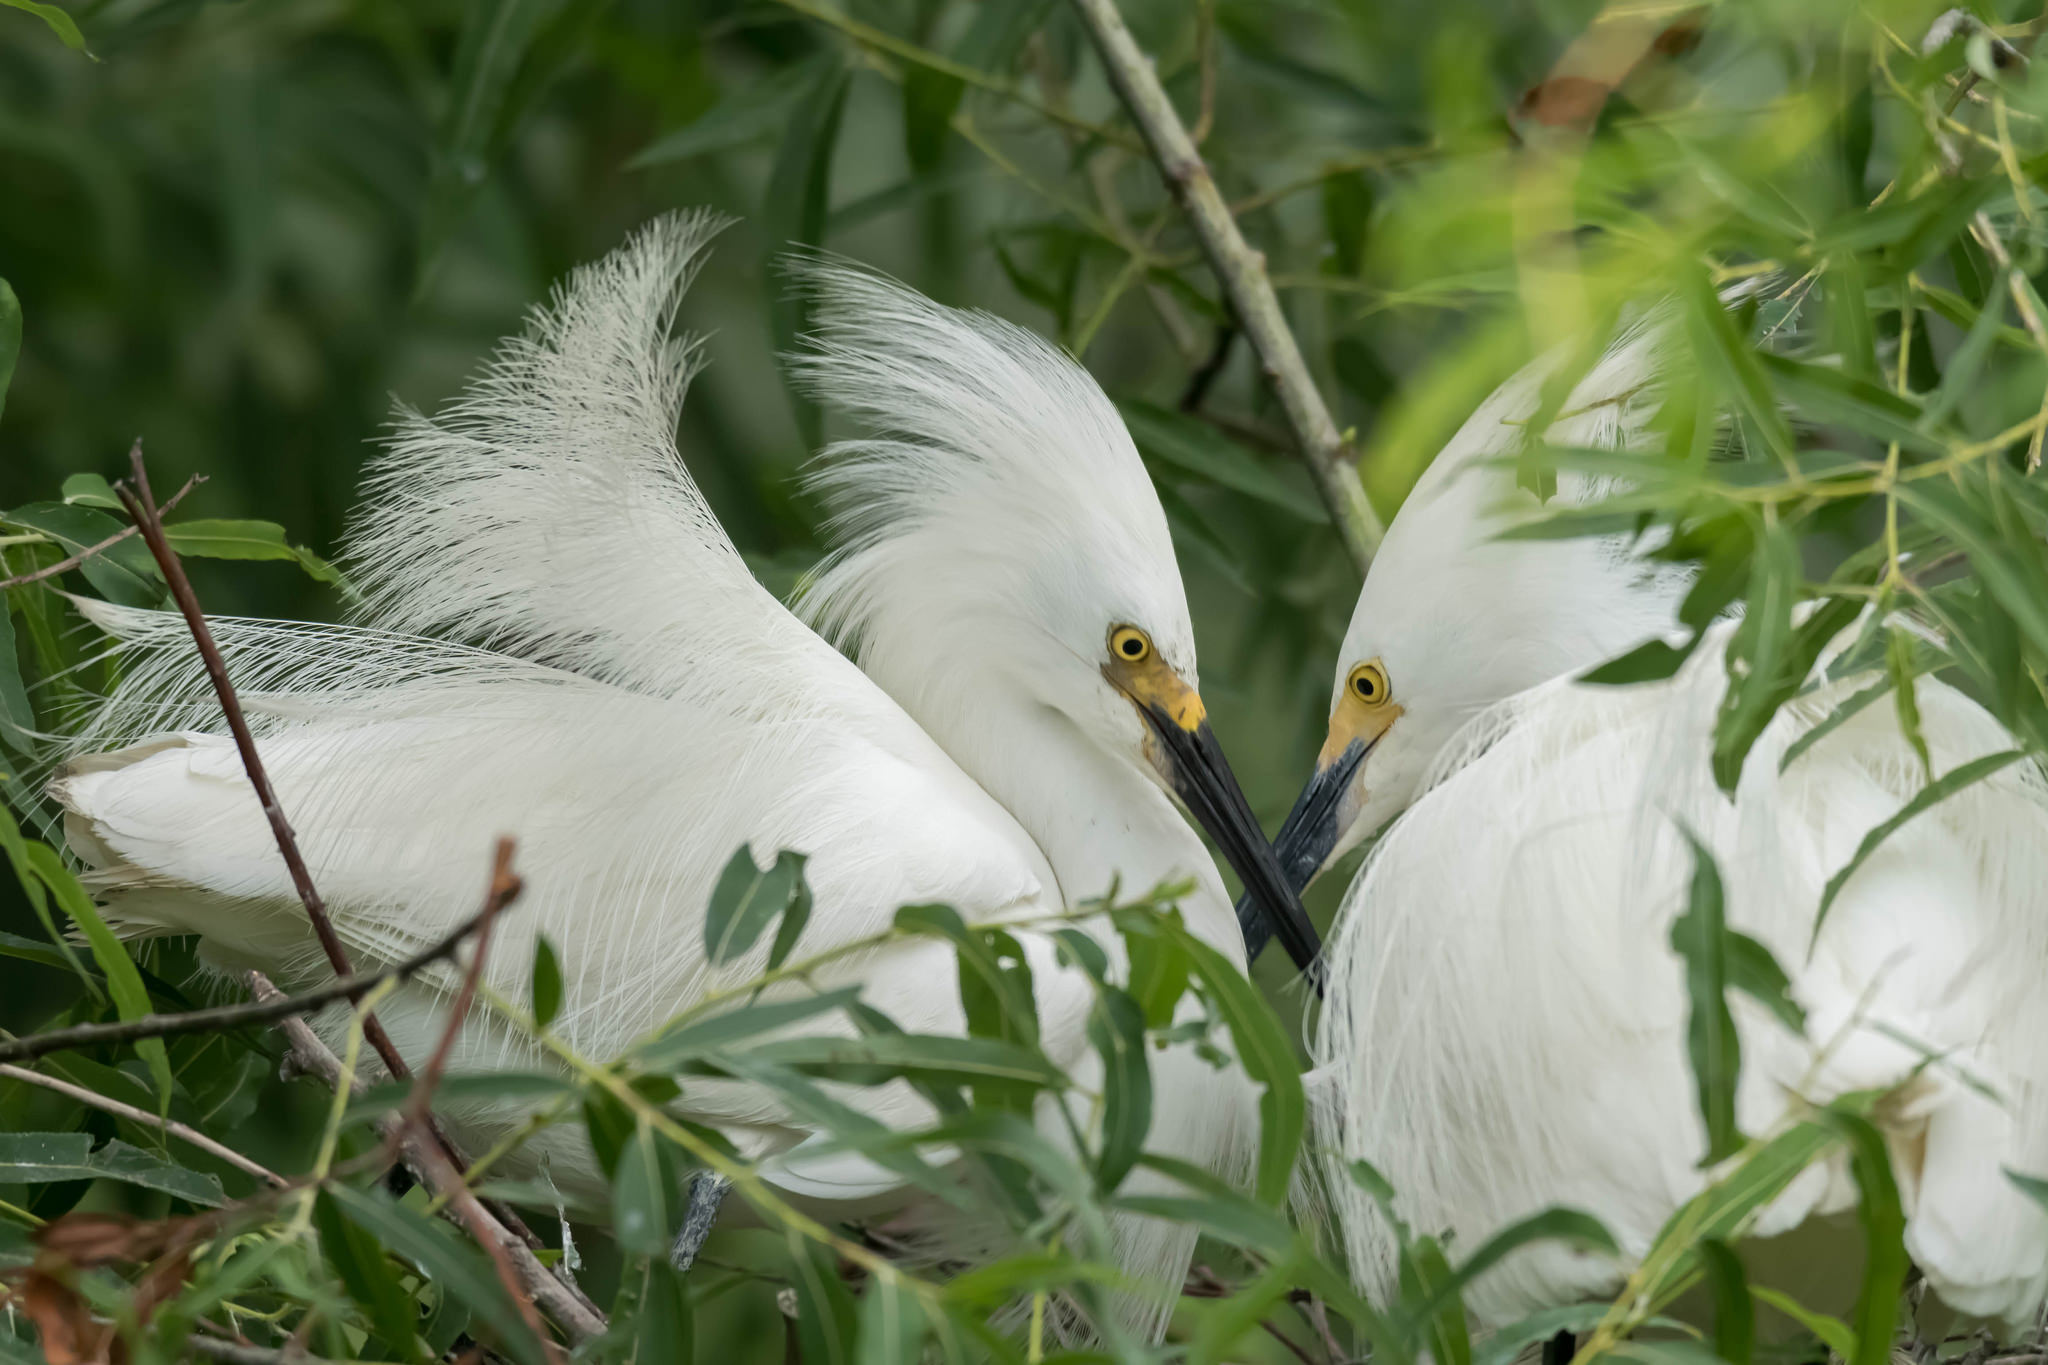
929, 99
1834, 719
1194, 447
1753, 971
43, 1158
1928, 797
795, 916
1116, 1030
1700, 937
875, 1058
892, 1324
67, 33
496, 38
1507, 1344
17, 717
1959, 375
1158, 975
793, 214
747, 899
547, 982
1262, 1048
750, 110
124, 982
2011, 574
1583, 1231
214, 539
451, 1261
1768, 660
610, 1126
1734, 1314
1900, 669
1424, 1275
10, 337
703, 1037
1241, 1314
16, 848
367, 1275
1727, 360
123, 573
648, 1186
1878, 1209
1347, 206
652, 1321
1836, 398
1836, 1335
825, 1315
91, 490
1650, 661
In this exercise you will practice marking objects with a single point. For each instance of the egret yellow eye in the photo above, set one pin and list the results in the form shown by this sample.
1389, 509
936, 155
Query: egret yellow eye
1368, 683
1130, 644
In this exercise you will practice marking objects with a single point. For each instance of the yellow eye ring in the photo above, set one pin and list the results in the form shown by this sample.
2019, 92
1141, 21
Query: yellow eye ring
1368, 683
1130, 645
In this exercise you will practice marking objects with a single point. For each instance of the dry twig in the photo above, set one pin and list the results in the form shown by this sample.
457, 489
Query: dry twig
143, 1116
231, 1016
1242, 273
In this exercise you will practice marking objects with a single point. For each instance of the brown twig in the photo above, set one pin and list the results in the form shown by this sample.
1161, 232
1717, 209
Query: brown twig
143, 1116
214, 1020
1203, 1283
417, 1128
1242, 273
142, 509
71, 562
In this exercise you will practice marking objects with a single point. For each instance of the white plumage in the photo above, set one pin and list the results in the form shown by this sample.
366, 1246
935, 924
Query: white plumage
560, 643
1506, 1028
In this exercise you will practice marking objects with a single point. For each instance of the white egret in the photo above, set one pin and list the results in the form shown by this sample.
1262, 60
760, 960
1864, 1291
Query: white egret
1506, 1020
560, 643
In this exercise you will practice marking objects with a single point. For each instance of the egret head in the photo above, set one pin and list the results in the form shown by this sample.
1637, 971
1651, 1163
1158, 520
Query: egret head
1454, 617
1001, 542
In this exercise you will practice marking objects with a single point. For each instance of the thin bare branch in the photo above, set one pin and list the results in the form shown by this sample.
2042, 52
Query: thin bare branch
71, 562
233, 1016
1242, 273
564, 1303
143, 1116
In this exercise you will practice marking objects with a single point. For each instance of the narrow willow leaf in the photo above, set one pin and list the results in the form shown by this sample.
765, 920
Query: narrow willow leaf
124, 981
2033, 1186
893, 1324
451, 1261
1753, 971
1833, 721
1838, 1336
496, 38
795, 916
1734, 1314
1928, 797
825, 1315
16, 847
1192, 446
1581, 1230
546, 982
246, 540
1116, 1030
1901, 668
17, 717
1699, 936
1959, 375
1158, 975
703, 1037
67, 33
10, 337
648, 1185
751, 109
367, 1275
43, 1158
929, 99
1651, 661
1743, 719
1263, 1049
793, 214
1835, 398
1878, 1209
1728, 361
652, 1320
1424, 1274
994, 975
1506, 1345
610, 1126
932, 1056
1347, 207
1724, 1209
123, 573
747, 899
1239, 1315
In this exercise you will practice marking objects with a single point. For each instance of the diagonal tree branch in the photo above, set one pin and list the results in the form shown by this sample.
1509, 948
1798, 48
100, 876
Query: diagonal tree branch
1242, 273
71, 562
234, 1016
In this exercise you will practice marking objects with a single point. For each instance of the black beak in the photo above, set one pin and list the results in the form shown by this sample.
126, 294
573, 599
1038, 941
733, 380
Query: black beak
1203, 780
1306, 838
